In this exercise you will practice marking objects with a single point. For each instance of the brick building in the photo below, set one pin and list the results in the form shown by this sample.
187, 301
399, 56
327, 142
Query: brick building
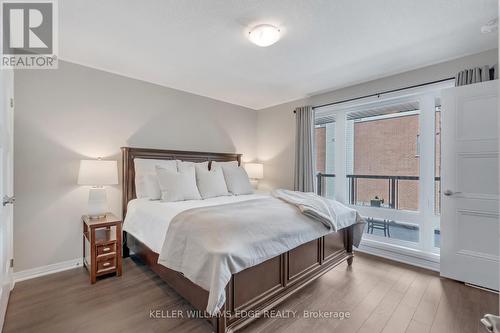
385, 147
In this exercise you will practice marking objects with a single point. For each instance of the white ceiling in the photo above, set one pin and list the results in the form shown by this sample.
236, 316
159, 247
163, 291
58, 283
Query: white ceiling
200, 46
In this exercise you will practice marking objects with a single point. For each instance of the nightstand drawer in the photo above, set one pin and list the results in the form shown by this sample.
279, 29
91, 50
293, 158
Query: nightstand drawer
106, 264
105, 249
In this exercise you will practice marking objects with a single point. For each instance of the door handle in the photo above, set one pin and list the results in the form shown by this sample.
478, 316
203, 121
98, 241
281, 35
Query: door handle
449, 193
8, 200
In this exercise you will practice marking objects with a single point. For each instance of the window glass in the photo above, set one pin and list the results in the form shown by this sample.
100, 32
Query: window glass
383, 166
383, 160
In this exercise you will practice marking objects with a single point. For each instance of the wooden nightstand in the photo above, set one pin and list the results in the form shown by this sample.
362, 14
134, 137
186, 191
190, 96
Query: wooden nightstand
102, 245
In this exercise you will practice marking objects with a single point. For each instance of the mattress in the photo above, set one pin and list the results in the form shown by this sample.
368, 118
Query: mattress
148, 220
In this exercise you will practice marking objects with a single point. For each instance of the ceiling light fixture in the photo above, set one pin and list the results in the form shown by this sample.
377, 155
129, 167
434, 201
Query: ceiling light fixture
264, 35
490, 26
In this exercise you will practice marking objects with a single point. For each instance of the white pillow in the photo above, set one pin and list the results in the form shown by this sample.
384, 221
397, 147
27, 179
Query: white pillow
237, 181
198, 166
211, 183
223, 164
146, 180
178, 185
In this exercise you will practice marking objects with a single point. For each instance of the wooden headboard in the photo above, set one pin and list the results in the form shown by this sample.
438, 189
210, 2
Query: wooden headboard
129, 153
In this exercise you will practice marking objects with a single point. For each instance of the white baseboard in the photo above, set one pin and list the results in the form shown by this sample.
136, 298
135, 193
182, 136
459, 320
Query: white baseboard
45, 270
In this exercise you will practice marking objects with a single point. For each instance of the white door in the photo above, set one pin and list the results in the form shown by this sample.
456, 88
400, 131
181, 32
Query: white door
469, 211
6, 186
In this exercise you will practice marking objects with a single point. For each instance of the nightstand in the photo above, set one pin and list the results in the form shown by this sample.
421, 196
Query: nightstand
102, 246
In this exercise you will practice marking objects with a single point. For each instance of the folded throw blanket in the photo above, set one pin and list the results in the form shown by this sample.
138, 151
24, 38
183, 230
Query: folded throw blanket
491, 322
331, 213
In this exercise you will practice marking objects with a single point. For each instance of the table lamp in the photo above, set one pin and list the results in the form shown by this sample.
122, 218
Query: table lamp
97, 173
255, 172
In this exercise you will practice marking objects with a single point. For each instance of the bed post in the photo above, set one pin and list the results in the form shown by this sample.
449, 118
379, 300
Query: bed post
125, 250
125, 185
219, 322
348, 238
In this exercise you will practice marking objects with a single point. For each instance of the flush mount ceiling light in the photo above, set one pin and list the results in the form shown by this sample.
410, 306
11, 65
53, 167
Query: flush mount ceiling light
264, 35
490, 26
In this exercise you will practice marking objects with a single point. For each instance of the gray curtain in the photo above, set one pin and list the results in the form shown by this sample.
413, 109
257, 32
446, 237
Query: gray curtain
475, 75
304, 145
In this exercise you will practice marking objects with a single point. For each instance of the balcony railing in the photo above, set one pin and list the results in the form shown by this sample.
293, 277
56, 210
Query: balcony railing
392, 192
320, 182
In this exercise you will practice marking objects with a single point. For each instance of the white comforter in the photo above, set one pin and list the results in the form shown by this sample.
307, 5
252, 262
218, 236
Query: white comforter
209, 244
240, 236
148, 220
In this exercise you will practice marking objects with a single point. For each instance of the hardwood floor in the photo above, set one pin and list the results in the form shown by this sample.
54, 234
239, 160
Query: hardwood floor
380, 296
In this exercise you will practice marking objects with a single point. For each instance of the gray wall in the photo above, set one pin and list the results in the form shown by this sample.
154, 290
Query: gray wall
75, 112
276, 125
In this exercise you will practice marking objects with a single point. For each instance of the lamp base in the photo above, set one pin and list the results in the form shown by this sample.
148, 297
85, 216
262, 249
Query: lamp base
98, 204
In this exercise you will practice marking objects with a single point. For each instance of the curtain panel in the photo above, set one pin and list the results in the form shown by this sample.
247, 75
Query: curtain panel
304, 149
476, 74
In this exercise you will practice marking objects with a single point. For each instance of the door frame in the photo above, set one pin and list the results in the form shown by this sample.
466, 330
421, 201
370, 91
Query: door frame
7, 83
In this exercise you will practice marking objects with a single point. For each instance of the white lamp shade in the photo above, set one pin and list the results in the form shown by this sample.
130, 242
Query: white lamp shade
255, 170
98, 173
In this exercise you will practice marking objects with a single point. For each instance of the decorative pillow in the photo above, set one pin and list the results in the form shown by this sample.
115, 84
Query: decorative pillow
211, 183
223, 164
178, 185
197, 166
237, 181
146, 180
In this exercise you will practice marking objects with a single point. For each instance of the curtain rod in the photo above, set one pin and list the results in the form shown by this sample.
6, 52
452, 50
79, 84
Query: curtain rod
382, 93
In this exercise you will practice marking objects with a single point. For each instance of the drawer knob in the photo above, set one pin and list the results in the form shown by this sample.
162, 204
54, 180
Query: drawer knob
106, 264
106, 249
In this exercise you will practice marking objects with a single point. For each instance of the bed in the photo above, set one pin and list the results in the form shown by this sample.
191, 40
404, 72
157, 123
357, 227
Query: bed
252, 290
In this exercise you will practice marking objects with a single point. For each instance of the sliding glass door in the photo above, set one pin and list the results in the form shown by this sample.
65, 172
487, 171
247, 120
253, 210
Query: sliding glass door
383, 168
382, 157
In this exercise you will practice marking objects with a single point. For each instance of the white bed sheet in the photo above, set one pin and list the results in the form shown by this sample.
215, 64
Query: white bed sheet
148, 220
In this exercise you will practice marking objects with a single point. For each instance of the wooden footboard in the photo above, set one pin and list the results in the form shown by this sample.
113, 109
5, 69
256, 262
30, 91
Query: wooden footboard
261, 287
